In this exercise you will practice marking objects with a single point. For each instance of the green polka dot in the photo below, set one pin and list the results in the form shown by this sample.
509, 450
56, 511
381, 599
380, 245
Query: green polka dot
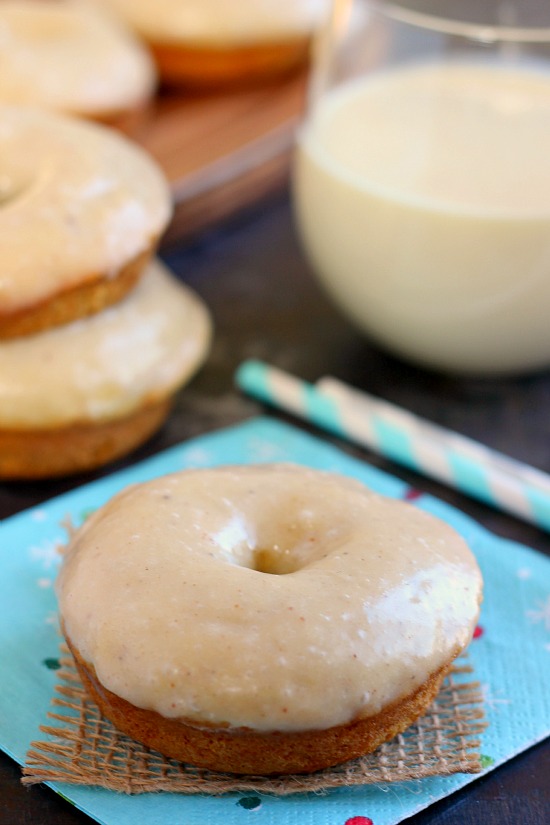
486, 761
51, 664
250, 803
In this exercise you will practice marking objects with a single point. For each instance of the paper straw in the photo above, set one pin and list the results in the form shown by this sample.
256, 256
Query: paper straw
413, 442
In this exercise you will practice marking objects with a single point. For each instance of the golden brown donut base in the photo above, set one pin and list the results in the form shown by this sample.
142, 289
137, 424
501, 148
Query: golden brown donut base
94, 292
210, 67
35, 454
250, 752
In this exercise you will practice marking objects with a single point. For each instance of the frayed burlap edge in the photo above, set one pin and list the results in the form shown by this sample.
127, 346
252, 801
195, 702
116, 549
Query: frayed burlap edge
85, 749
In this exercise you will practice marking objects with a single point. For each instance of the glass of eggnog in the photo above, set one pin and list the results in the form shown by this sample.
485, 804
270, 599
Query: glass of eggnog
421, 182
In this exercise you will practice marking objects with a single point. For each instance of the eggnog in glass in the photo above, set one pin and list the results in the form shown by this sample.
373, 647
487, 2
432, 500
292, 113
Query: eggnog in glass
422, 182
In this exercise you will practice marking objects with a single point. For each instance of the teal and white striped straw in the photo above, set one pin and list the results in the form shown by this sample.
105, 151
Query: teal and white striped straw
413, 442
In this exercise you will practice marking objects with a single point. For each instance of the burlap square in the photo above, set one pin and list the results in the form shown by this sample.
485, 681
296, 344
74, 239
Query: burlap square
85, 749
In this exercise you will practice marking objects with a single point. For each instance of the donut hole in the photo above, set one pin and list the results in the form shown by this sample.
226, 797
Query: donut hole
274, 535
275, 561
276, 548
288, 545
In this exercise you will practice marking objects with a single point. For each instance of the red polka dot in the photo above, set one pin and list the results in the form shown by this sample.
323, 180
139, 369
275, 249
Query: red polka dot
411, 494
478, 632
359, 820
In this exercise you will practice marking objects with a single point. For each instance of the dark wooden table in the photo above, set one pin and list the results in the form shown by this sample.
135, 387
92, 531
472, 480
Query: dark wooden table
266, 305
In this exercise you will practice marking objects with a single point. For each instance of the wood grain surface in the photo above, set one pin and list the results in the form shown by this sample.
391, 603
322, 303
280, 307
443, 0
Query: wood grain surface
223, 152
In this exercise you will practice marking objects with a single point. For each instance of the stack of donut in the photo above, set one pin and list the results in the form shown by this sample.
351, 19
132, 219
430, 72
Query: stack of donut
95, 337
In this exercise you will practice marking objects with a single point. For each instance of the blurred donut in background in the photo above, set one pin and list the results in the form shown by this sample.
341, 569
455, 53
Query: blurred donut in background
213, 43
73, 57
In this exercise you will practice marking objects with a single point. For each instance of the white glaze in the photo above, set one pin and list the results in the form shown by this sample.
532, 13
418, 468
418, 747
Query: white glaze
221, 22
107, 365
165, 592
76, 200
67, 55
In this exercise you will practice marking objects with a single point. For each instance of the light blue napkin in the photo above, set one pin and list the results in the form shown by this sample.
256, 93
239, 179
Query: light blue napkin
510, 654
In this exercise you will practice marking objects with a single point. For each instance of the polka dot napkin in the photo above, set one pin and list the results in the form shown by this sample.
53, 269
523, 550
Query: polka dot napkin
510, 653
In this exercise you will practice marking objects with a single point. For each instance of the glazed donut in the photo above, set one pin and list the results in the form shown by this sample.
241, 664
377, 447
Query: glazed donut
77, 396
265, 619
215, 42
71, 57
81, 209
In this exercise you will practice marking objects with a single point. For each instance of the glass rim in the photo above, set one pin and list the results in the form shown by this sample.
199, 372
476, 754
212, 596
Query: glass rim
482, 32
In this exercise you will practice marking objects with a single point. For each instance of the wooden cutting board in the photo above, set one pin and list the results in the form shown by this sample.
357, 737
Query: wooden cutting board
223, 152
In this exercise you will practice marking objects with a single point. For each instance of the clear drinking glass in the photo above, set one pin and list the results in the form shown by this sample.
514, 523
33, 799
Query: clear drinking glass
422, 179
